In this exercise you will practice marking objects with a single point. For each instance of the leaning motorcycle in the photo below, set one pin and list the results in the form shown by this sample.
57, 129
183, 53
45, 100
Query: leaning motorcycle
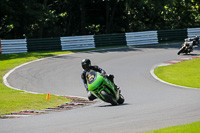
186, 48
100, 86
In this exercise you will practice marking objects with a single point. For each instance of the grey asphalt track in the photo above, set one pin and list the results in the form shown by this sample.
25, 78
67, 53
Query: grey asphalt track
149, 104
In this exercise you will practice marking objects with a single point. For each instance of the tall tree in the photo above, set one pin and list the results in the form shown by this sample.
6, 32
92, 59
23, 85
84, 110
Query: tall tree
55, 18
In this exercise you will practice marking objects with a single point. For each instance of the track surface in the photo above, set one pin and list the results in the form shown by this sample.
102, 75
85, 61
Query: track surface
149, 104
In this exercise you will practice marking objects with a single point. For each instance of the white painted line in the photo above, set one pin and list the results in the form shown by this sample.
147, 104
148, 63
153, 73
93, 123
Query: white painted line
12, 70
165, 64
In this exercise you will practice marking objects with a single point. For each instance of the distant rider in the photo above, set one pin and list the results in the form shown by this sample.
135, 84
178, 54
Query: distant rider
86, 65
194, 42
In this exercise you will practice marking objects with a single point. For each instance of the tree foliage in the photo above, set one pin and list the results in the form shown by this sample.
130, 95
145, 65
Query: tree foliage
55, 18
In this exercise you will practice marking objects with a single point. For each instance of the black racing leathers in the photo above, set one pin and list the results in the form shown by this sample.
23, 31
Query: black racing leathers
83, 76
195, 41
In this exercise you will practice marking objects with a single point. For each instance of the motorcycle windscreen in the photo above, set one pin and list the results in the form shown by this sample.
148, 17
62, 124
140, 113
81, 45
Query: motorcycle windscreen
91, 76
93, 80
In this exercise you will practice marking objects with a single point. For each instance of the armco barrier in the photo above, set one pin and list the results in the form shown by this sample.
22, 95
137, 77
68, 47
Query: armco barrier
140, 38
92, 41
43, 44
77, 42
172, 35
13, 46
110, 39
0, 46
192, 32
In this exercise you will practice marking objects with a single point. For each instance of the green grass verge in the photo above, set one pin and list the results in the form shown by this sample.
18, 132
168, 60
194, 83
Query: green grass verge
188, 128
14, 100
185, 73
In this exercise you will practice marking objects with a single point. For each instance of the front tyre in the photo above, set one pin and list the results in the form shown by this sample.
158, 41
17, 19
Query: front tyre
181, 50
121, 99
108, 98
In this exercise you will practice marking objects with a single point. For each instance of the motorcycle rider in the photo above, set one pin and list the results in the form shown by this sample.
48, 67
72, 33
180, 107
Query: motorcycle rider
195, 41
86, 65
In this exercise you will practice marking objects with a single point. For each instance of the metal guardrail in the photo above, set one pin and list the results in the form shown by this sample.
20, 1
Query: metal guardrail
92, 41
43, 44
116, 39
13, 46
192, 32
0, 46
172, 35
140, 38
77, 42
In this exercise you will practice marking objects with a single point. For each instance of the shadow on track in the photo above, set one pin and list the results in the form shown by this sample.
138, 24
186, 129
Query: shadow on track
109, 105
190, 55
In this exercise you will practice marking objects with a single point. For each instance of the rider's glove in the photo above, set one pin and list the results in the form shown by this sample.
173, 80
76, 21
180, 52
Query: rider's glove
103, 74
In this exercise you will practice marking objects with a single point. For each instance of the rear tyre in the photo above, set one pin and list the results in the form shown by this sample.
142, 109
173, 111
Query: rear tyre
108, 98
121, 99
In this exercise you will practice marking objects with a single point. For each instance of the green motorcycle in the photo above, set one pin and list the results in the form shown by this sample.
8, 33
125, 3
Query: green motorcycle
100, 86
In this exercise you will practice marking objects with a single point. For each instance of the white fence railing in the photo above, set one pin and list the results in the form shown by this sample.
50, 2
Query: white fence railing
192, 32
13, 46
140, 38
85, 42
77, 42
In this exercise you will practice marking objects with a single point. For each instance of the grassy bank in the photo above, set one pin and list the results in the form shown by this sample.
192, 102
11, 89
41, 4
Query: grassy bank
14, 100
186, 73
188, 128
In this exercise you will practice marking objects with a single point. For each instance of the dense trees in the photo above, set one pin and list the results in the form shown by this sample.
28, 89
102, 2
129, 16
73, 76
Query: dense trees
55, 18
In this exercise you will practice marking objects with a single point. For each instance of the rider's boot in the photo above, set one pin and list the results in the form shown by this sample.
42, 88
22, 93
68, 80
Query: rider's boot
91, 97
111, 78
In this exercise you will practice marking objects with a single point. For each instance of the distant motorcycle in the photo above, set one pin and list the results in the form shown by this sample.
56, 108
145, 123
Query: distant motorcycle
186, 48
100, 86
188, 45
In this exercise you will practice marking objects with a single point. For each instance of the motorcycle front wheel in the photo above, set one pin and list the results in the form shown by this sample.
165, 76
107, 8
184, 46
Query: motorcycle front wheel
121, 99
108, 98
180, 51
